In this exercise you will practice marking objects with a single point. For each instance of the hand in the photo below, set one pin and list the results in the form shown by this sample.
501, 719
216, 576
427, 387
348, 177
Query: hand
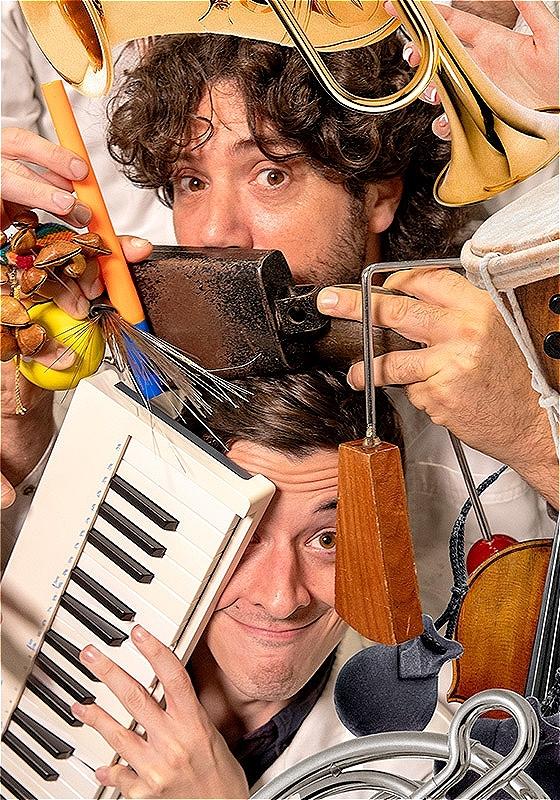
523, 66
471, 377
8, 493
182, 755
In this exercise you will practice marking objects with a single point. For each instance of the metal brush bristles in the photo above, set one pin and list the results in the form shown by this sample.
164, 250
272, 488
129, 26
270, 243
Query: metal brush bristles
144, 360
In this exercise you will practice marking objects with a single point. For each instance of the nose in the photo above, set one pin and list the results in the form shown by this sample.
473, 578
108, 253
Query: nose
225, 221
278, 583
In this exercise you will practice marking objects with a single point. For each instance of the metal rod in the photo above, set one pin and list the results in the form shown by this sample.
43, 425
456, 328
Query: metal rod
478, 508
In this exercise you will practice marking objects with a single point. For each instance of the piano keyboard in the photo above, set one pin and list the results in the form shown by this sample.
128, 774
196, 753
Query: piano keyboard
134, 521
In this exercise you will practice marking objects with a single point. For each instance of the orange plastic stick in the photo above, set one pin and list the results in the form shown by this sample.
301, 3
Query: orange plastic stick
114, 269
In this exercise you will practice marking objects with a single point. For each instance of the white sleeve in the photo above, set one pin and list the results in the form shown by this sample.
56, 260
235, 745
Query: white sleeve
21, 98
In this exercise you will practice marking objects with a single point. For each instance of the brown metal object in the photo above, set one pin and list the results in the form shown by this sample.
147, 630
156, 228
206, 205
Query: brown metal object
498, 620
240, 311
376, 587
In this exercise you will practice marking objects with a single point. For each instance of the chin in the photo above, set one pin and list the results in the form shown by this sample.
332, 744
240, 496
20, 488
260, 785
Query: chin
273, 683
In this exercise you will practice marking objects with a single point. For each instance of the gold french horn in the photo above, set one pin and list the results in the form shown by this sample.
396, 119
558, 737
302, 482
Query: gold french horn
495, 142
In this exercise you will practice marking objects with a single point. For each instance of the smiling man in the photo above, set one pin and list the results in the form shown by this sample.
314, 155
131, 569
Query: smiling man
264, 670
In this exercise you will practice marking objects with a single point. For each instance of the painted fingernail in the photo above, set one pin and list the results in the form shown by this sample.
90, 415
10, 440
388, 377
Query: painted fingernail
78, 168
63, 200
140, 633
407, 52
443, 121
327, 299
137, 242
350, 379
90, 654
81, 214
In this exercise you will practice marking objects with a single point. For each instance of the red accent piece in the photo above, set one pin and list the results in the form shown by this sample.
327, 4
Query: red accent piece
482, 550
25, 262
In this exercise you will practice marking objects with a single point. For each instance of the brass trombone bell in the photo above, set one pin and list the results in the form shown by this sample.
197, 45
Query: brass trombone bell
496, 142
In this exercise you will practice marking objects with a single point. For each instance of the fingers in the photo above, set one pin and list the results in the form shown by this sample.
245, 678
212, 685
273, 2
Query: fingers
416, 320
538, 17
124, 742
469, 28
135, 249
55, 355
124, 778
400, 368
441, 128
180, 698
440, 287
8, 493
90, 283
67, 295
19, 143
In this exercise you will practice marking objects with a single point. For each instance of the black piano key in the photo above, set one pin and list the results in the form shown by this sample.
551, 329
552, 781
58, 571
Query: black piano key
143, 504
107, 632
14, 787
53, 744
44, 770
65, 681
70, 652
52, 701
129, 529
119, 557
102, 595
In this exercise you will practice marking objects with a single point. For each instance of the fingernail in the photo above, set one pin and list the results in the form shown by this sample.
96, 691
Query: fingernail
327, 299
137, 242
433, 96
8, 495
63, 200
140, 633
350, 379
81, 214
64, 357
78, 710
90, 654
78, 168
97, 288
407, 52
443, 121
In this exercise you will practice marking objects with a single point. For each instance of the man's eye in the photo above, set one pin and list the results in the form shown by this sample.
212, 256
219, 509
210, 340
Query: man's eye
271, 178
326, 540
188, 183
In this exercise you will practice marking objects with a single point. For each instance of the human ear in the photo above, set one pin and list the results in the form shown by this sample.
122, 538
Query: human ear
382, 200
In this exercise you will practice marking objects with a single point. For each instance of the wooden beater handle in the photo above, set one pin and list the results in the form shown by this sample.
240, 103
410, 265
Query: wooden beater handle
376, 589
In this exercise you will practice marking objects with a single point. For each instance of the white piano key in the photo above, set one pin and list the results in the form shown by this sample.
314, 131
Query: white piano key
156, 594
126, 656
19, 770
171, 488
71, 771
104, 697
165, 629
89, 746
168, 569
192, 527
148, 614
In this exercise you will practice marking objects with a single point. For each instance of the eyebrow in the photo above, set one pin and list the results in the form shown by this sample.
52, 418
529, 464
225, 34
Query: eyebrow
329, 505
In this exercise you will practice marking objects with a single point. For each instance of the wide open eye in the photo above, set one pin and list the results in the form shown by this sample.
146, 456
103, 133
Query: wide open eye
324, 540
188, 184
271, 178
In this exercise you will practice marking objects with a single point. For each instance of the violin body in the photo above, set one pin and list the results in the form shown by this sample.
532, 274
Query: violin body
498, 620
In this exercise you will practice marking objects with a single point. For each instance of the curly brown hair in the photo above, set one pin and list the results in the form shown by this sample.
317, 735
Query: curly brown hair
152, 114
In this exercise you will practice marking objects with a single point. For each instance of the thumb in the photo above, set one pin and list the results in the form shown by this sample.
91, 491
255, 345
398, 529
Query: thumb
8, 493
135, 249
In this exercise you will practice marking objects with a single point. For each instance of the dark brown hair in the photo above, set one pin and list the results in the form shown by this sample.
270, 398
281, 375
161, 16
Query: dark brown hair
299, 413
155, 106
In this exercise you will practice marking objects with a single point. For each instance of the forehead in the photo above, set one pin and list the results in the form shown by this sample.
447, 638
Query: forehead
313, 474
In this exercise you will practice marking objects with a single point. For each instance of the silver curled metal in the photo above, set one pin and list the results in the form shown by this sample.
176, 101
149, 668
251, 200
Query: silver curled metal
350, 766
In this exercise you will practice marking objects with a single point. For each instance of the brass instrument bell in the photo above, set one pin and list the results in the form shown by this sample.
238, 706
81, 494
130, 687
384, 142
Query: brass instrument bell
496, 142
